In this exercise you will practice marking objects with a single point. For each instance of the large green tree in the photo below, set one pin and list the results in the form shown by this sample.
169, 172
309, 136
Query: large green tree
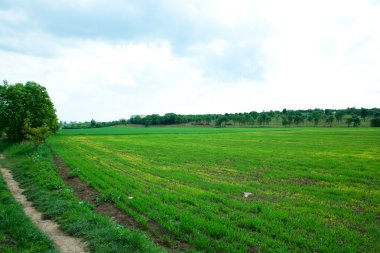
24, 107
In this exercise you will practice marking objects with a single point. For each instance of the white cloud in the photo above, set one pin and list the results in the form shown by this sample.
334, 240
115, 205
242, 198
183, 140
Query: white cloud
323, 55
238, 56
12, 16
217, 47
96, 76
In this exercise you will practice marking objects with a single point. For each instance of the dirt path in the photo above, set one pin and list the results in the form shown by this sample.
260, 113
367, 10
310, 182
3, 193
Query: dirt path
64, 242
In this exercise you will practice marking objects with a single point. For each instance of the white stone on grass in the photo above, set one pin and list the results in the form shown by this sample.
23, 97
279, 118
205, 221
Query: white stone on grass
247, 194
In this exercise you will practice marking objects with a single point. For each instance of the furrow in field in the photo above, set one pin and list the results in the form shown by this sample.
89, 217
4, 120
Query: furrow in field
172, 211
191, 185
148, 199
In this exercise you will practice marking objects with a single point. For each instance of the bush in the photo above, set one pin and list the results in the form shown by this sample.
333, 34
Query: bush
38, 135
375, 122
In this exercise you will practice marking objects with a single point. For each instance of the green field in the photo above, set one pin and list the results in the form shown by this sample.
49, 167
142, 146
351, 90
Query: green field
314, 189
36, 173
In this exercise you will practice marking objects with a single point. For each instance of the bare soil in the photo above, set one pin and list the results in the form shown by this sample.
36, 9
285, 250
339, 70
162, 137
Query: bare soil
63, 242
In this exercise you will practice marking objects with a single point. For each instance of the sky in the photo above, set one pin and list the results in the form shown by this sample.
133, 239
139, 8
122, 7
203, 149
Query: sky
107, 60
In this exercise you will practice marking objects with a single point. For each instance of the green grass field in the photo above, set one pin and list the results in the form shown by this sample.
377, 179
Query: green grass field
37, 175
314, 189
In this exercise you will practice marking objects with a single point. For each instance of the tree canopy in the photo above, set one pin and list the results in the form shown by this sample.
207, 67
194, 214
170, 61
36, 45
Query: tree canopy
25, 107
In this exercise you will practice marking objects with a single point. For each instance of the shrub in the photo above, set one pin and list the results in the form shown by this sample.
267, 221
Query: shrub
38, 135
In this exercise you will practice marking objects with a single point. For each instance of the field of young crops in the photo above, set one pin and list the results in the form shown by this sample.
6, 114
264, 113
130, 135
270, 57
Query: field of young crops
314, 189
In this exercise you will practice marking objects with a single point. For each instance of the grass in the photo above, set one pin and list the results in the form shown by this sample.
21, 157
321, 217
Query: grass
315, 189
36, 173
17, 232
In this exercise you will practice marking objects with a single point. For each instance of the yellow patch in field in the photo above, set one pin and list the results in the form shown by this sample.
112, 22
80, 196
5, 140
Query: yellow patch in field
130, 157
366, 156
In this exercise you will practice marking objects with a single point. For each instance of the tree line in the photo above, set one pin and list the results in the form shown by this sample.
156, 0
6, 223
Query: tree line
287, 118
27, 113
91, 124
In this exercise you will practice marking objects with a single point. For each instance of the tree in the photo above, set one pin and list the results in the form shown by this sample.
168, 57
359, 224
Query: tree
375, 122
22, 105
328, 112
251, 120
264, 118
364, 113
317, 116
355, 121
220, 120
298, 118
267, 119
148, 121
260, 120
241, 119
155, 119
285, 121
339, 116
254, 114
330, 120
353, 111
349, 122
290, 117
170, 118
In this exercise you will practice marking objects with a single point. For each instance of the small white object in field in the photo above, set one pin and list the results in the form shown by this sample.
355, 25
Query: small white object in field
247, 194
130, 197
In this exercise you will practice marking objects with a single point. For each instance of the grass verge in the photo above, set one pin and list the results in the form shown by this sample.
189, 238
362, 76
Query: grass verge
17, 232
36, 173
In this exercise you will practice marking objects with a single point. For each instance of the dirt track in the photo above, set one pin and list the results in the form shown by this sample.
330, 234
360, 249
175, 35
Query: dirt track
63, 242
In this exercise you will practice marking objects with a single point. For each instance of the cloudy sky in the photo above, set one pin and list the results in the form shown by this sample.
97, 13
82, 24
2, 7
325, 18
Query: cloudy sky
109, 59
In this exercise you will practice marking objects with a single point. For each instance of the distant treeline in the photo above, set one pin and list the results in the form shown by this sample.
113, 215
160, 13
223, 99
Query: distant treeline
312, 117
92, 124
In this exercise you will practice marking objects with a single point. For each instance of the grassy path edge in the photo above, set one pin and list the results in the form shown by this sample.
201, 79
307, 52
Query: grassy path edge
64, 242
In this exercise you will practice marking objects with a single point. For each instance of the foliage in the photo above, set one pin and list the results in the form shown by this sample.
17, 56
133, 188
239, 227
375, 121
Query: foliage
330, 120
317, 115
364, 113
221, 120
339, 115
315, 189
354, 120
375, 122
38, 135
22, 105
